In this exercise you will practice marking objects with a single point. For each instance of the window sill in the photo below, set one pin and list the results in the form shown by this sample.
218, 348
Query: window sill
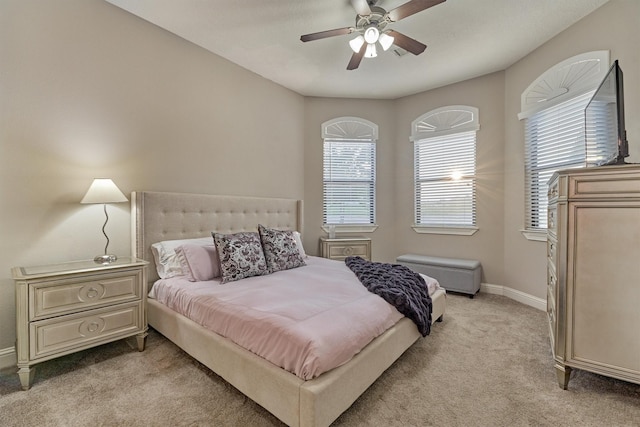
536, 236
351, 228
456, 231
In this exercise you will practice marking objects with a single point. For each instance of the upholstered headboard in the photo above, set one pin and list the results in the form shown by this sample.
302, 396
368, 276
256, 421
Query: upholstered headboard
157, 216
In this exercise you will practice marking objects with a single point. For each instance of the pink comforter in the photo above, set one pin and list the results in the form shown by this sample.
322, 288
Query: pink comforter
307, 320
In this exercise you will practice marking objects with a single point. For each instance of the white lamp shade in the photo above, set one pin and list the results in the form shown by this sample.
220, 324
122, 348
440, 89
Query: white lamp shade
385, 41
103, 190
371, 51
356, 43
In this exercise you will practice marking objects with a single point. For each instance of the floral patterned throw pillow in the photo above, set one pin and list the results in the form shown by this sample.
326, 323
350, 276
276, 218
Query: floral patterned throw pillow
280, 249
240, 255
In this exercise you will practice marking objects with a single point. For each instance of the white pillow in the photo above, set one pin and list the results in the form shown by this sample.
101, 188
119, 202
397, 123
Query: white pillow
298, 239
167, 262
198, 262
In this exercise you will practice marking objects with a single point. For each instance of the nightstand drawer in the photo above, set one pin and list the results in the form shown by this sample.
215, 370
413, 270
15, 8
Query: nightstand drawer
77, 331
64, 296
343, 251
341, 248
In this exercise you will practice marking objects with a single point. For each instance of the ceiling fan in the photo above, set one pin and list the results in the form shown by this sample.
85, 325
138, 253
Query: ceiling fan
371, 23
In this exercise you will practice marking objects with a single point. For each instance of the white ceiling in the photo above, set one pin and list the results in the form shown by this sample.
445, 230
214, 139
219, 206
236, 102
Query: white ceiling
465, 39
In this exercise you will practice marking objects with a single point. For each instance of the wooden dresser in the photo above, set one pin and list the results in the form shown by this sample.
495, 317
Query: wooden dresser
68, 307
593, 277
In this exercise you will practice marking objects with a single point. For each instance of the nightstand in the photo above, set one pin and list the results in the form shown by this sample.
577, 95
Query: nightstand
68, 307
340, 248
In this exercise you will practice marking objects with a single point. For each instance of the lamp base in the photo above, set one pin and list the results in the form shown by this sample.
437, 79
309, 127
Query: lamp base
105, 259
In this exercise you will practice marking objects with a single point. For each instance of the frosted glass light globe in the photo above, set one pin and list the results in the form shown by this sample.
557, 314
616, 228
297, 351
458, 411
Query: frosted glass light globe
371, 35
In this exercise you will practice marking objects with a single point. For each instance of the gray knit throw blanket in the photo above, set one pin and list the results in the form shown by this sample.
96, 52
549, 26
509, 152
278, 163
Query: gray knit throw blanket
400, 286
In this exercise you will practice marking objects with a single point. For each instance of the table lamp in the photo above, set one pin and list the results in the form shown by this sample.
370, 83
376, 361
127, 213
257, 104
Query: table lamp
103, 190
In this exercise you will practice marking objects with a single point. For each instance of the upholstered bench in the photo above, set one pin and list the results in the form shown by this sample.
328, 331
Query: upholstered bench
457, 275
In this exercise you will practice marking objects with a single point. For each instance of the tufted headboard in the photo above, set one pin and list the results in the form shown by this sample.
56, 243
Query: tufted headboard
157, 216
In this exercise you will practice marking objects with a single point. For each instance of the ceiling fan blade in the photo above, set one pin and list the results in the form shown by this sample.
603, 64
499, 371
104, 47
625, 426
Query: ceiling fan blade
328, 33
407, 43
410, 8
362, 7
356, 58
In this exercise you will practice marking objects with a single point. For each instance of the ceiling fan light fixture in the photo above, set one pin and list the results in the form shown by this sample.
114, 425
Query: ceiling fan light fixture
371, 20
385, 41
356, 44
371, 35
371, 51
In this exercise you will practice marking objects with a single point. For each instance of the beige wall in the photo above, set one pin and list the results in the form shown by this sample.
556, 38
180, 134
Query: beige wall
487, 94
380, 112
88, 90
612, 27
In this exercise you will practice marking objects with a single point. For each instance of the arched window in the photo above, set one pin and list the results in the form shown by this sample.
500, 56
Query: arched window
553, 110
349, 173
444, 142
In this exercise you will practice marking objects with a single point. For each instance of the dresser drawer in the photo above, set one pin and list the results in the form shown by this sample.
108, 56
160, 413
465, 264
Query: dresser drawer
554, 189
552, 280
58, 297
551, 317
552, 219
552, 250
77, 331
551, 309
611, 185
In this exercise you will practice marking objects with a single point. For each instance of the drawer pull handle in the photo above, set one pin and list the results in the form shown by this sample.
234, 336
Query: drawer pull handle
348, 250
92, 327
91, 292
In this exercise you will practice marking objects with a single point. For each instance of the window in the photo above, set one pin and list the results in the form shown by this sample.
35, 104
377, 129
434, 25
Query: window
554, 140
445, 170
553, 110
349, 173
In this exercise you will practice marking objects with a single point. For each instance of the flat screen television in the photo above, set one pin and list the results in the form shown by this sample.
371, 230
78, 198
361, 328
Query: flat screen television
605, 134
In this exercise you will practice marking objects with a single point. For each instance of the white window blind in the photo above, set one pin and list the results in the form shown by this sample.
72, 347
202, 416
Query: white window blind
445, 183
349, 179
553, 109
554, 140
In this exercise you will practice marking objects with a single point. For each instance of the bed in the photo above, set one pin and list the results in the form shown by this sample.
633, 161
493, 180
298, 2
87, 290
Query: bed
158, 216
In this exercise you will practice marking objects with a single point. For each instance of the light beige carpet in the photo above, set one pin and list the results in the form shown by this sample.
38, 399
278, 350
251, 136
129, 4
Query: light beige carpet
487, 364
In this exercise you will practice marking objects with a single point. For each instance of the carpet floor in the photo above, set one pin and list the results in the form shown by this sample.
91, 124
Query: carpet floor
487, 364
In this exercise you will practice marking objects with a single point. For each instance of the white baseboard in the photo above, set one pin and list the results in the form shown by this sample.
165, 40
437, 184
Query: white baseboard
8, 357
530, 300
